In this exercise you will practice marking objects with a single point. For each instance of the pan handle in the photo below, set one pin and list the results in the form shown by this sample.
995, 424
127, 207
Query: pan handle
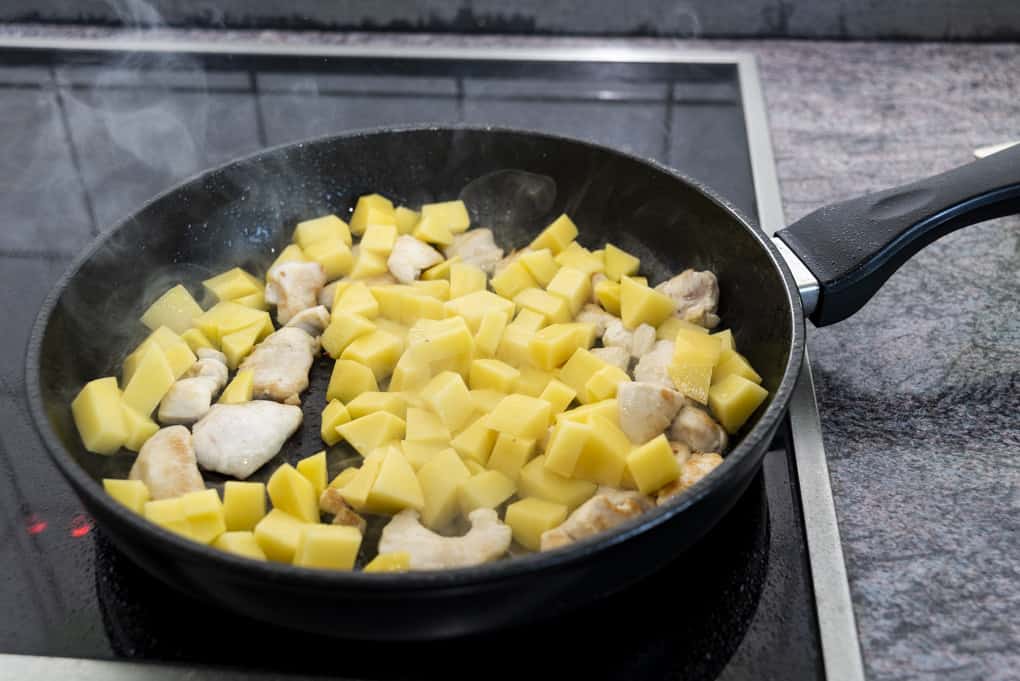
852, 247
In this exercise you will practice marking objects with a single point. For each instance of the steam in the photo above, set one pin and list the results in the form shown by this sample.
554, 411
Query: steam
511, 202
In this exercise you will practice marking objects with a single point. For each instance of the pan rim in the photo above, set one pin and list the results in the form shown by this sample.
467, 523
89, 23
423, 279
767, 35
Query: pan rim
397, 583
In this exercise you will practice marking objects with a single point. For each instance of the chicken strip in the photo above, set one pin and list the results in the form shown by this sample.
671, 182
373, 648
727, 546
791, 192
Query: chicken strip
476, 247
166, 464
637, 343
331, 501
294, 286
281, 363
646, 409
618, 357
698, 430
653, 367
409, 257
488, 539
312, 321
695, 466
608, 508
190, 397
696, 296
237, 439
597, 317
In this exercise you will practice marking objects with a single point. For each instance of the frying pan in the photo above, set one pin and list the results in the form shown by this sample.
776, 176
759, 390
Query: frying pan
241, 212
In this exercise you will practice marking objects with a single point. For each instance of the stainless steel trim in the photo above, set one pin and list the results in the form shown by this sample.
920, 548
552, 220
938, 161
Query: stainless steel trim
807, 284
22, 667
981, 152
837, 627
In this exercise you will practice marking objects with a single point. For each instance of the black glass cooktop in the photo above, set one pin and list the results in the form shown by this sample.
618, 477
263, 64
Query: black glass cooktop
86, 138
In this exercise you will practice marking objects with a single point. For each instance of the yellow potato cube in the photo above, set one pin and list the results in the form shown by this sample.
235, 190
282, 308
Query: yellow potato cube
490, 332
553, 308
424, 426
357, 490
605, 453
491, 374
438, 289
652, 465
608, 409
196, 340
226, 317
344, 477
419, 453
432, 231
509, 455
440, 271
379, 239
294, 493
620, 263
371, 209
372, 431
528, 320
396, 486
378, 350
726, 341
397, 561
452, 215
604, 382
410, 375
372, 401
465, 279
239, 344
174, 309
177, 352
168, 514
434, 340
139, 428
476, 441
732, 362
513, 279
556, 236
532, 381
369, 264
234, 283
150, 381
241, 544
204, 513
568, 440
357, 299
292, 253
314, 469
520, 415
474, 467
579, 369
132, 493
394, 329
278, 534
448, 397
240, 389
537, 481
333, 254
694, 357
559, 395
335, 414
486, 400
642, 305
344, 328
321, 229
668, 329
485, 490
555, 344
473, 307
733, 400
540, 265
255, 300
580, 258
405, 219
440, 479
608, 294
244, 504
529, 518
572, 285
330, 547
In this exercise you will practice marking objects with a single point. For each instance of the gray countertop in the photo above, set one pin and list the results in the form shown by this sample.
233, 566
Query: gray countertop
920, 392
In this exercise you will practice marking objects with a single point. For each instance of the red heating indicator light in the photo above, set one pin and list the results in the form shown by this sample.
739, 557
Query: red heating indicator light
81, 525
34, 524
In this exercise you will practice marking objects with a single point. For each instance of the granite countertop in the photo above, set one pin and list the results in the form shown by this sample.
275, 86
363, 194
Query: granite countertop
919, 393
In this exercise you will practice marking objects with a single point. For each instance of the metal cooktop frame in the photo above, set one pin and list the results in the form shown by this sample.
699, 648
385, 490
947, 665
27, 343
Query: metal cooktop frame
834, 608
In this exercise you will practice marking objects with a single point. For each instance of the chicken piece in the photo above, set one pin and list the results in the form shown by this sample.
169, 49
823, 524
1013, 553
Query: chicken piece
608, 508
237, 439
166, 464
294, 286
696, 296
332, 502
280, 364
327, 293
642, 341
697, 429
597, 317
312, 321
409, 257
692, 469
646, 409
488, 539
618, 357
190, 397
476, 247
637, 343
210, 364
653, 367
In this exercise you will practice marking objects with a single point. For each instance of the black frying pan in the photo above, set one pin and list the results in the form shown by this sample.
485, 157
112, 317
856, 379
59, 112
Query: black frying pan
239, 213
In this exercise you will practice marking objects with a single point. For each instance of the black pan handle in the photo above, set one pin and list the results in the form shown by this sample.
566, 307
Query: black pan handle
853, 247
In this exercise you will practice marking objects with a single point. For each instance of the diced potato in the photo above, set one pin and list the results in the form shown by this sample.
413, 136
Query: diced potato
168, 514
394, 329
537, 481
694, 357
528, 320
733, 400
369, 264
668, 329
436, 340
174, 309
405, 219
278, 534
344, 328
476, 441
642, 305
529, 518
620, 263
553, 308
652, 465
438, 288
139, 428
491, 374
440, 479
490, 332
452, 215
395, 487
556, 236
132, 493
513, 279
555, 344
239, 344
292, 253
465, 279
378, 350
371, 209
234, 283
432, 231
391, 299
440, 271
419, 453
474, 467
726, 341
256, 301
204, 513
424, 426
372, 401
572, 285
603, 383
196, 340
532, 381
473, 307
568, 440
485, 490
580, 258
331, 547
343, 477
540, 265
605, 453
410, 375
520, 415
579, 369
321, 229
448, 397
244, 504
333, 254
608, 409
372, 431
150, 381
240, 389
397, 561
241, 544
357, 300
486, 400
509, 455
294, 493
608, 294
357, 490
379, 239
314, 469
226, 317
732, 362
177, 352
335, 414
559, 395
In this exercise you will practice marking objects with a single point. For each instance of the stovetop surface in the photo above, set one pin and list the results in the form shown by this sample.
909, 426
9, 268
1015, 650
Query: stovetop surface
88, 138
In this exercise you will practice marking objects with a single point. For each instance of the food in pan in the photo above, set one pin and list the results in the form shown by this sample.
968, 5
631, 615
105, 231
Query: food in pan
499, 403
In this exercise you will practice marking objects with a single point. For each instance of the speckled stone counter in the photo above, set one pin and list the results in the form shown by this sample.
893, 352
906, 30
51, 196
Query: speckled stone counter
920, 392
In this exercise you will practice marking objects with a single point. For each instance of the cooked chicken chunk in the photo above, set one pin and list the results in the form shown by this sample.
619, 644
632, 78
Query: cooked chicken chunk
488, 539
476, 247
692, 469
237, 439
281, 363
409, 257
618, 357
294, 286
190, 397
646, 409
210, 364
166, 464
697, 429
326, 294
597, 317
653, 367
637, 343
332, 502
608, 508
312, 321
642, 341
696, 296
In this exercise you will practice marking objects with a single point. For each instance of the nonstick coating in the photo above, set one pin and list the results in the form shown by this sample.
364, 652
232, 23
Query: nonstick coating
516, 182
